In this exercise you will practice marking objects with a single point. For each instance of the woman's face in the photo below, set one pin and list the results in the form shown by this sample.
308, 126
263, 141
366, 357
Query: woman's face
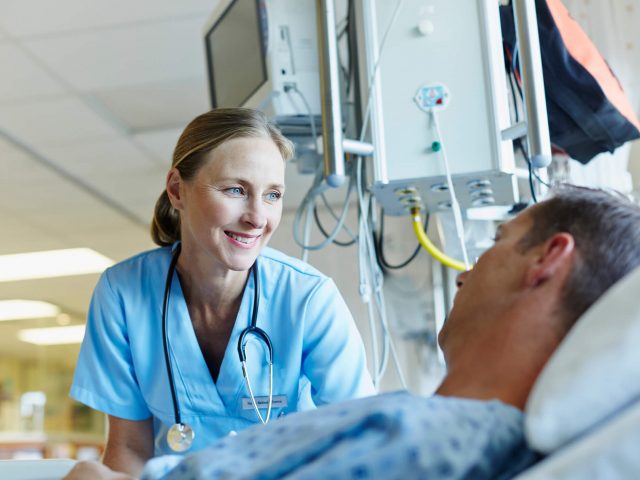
232, 206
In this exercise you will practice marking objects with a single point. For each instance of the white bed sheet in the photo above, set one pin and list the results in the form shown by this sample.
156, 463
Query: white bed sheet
53, 469
610, 452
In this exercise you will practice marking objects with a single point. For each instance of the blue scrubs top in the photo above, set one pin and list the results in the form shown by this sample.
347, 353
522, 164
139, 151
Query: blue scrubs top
318, 353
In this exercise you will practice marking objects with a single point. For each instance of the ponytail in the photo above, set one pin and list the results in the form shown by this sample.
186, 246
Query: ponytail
165, 227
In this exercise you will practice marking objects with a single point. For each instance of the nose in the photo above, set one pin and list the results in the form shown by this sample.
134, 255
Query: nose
255, 214
460, 278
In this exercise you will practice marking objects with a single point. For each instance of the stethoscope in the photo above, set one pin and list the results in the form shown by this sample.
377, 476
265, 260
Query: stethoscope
180, 436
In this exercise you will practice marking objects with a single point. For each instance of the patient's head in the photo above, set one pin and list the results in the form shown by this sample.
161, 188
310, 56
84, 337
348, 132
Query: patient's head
606, 229
547, 266
562, 253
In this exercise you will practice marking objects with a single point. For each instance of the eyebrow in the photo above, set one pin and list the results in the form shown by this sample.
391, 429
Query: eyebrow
278, 186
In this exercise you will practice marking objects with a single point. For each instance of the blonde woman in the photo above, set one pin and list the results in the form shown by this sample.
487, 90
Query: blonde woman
180, 339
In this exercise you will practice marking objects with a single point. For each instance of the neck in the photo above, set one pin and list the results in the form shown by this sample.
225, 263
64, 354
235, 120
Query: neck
505, 359
210, 287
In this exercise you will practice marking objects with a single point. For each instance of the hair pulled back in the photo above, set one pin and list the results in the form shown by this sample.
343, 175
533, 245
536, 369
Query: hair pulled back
200, 137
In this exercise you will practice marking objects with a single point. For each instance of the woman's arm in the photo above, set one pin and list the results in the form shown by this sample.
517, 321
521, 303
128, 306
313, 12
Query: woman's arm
129, 445
333, 354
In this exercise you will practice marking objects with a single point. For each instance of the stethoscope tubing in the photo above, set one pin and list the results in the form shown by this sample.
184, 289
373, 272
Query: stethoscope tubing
165, 341
252, 329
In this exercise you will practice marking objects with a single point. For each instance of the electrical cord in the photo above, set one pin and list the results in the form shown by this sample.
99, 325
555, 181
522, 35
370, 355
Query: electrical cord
325, 234
375, 68
306, 208
532, 174
336, 217
312, 123
515, 86
379, 244
371, 281
531, 185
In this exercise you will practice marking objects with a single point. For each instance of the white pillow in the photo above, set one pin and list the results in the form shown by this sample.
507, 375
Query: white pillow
594, 373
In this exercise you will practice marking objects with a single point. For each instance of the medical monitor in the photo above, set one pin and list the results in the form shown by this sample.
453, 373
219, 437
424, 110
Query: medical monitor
235, 47
263, 54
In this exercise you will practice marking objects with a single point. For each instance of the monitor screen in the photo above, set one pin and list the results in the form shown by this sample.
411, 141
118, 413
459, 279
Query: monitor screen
235, 54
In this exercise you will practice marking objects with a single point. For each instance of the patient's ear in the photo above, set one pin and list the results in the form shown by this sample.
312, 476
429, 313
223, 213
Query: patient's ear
553, 256
174, 188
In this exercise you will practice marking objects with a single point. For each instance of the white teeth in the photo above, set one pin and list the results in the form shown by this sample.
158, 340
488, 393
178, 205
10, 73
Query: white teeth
240, 239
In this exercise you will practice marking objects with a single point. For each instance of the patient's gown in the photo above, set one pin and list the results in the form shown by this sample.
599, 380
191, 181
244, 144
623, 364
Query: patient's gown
388, 436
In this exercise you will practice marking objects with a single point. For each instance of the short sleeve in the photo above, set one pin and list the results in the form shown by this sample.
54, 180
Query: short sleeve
105, 377
333, 353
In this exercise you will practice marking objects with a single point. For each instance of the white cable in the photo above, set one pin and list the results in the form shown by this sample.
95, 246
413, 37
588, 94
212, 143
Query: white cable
374, 71
365, 288
378, 280
312, 121
317, 188
306, 207
455, 206
307, 232
373, 273
336, 218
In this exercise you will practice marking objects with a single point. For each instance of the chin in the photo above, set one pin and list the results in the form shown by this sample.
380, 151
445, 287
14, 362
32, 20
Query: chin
241, 264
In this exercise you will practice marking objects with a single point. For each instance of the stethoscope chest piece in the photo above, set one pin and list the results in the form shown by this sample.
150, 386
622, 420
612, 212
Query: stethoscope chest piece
180, 437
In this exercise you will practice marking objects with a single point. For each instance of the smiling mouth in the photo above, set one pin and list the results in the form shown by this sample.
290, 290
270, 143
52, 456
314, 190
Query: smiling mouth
242, 239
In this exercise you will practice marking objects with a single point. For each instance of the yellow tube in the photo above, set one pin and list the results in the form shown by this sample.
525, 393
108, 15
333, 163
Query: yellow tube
430, 247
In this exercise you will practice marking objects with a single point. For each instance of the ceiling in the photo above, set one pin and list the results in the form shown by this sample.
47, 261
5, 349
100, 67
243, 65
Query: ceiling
93, 96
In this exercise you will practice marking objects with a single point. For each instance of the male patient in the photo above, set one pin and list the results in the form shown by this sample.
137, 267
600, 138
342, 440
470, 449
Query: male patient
547, 266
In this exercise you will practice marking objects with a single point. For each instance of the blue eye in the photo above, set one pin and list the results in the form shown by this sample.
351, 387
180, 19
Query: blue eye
274, 196
235, 190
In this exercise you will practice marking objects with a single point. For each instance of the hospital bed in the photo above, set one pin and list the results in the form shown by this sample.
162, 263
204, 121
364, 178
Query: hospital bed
584, 410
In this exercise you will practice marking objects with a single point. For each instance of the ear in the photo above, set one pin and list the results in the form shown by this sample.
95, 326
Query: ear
553, 256
174, 188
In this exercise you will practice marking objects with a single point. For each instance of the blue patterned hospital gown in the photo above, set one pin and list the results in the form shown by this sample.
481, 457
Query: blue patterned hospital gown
396, 435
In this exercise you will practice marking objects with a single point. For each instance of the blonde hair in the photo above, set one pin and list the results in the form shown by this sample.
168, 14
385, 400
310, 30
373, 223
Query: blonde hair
200, 137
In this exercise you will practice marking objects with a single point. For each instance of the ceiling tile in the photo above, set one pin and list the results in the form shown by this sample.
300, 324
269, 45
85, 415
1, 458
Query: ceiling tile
131, 55
160, 143
51, 121
21, 77
100, 156
27, 18
117, 169
156, 106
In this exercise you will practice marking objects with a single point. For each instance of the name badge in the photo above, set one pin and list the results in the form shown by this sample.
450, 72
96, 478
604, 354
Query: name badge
279, 401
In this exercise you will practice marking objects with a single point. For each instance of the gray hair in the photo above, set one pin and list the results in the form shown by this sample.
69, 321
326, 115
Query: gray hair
606, 230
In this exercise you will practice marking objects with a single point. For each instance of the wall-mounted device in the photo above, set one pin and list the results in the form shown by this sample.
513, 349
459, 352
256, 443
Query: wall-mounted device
450, 75
263, 54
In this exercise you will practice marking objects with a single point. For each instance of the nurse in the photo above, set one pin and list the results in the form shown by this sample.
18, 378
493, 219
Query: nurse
167, 329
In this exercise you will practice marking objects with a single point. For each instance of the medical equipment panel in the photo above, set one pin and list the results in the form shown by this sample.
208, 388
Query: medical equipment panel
271, 66
438, 95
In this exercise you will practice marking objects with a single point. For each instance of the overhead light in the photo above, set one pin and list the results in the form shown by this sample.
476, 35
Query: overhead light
52, 263
21, 309
52, 335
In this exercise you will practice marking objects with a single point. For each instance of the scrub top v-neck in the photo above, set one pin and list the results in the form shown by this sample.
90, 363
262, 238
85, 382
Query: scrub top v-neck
318, 354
